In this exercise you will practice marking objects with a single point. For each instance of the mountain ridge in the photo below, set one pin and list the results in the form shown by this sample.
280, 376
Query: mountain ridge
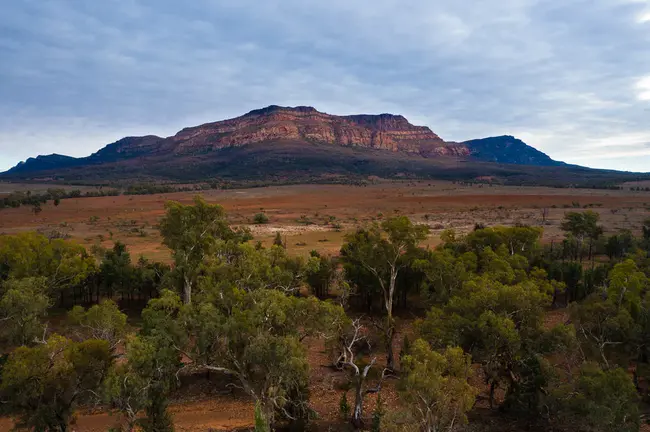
301, 142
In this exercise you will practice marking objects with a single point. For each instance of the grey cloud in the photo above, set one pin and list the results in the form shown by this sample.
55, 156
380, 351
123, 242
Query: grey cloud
564, 76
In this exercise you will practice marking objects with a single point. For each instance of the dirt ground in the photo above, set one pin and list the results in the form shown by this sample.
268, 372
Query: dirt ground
317, 216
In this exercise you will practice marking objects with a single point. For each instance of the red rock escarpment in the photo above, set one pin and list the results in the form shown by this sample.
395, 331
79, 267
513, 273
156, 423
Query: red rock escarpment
384, 131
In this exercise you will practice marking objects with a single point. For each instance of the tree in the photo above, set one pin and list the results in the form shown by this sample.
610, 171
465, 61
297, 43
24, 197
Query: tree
126, 391
143, 382
444, 274
435, 387
103, 321
608, 323
153, 360
618, 245
23, 305
321, 274
252, 336
116, 270
602, 328
627, 285
44, 384
598, 400
498, 324
191, 232
149, 277
63, 264
249, 268
378, 252
521, 240
582, 225
57, 201
352, 336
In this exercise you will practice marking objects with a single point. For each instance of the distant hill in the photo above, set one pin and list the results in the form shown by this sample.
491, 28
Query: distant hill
44, 163
508, 149
284, 144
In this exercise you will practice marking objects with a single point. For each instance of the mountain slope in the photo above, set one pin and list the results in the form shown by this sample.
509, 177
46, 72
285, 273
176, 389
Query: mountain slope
44, 163
508, 149
296, 144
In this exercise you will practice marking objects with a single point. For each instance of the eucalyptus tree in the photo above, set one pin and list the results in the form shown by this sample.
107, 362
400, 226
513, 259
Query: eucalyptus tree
377, 254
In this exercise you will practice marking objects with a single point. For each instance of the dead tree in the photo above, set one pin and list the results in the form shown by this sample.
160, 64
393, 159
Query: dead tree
348, 360
544, 212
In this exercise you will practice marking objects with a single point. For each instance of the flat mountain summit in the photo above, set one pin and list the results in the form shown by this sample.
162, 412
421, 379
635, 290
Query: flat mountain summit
294, 144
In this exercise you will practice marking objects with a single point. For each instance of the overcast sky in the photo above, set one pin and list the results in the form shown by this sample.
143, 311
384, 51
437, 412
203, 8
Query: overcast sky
569, 77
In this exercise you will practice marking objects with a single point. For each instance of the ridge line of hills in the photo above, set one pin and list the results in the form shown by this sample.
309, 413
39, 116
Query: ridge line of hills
301, 144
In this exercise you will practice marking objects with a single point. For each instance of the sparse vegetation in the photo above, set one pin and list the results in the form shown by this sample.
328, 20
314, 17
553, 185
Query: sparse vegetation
541, 331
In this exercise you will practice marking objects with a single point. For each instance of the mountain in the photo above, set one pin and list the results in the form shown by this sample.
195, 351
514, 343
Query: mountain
299, 144
508, 149
44, 163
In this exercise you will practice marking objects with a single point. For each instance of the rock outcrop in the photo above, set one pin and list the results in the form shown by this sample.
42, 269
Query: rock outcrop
274, 123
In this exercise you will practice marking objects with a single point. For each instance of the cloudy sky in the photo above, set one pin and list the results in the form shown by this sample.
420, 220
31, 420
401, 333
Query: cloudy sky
570, 77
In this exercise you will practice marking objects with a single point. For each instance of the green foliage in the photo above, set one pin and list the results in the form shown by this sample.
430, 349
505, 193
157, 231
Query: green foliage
598, 400
571, 274
435, 387
373, 259
321, 273
103, 321
192, 232
377, 415
261, 423
488, 291
609, 328
626, 285
116, 270
145, 380
344, 407
126, 391
158, 417
149, 277
23, 305
62, 263
498, 324
580, 226
260, 218
254, 336
44, 384
245, 267
406, 347
619, 245
603, 329
443, 273
520, 240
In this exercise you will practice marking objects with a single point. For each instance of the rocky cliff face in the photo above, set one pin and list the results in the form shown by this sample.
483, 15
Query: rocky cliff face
274, 123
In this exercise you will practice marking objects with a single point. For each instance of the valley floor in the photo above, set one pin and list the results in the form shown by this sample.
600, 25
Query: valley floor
317, 216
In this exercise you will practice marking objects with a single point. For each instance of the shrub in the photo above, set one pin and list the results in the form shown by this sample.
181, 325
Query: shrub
344, 407
260, 218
